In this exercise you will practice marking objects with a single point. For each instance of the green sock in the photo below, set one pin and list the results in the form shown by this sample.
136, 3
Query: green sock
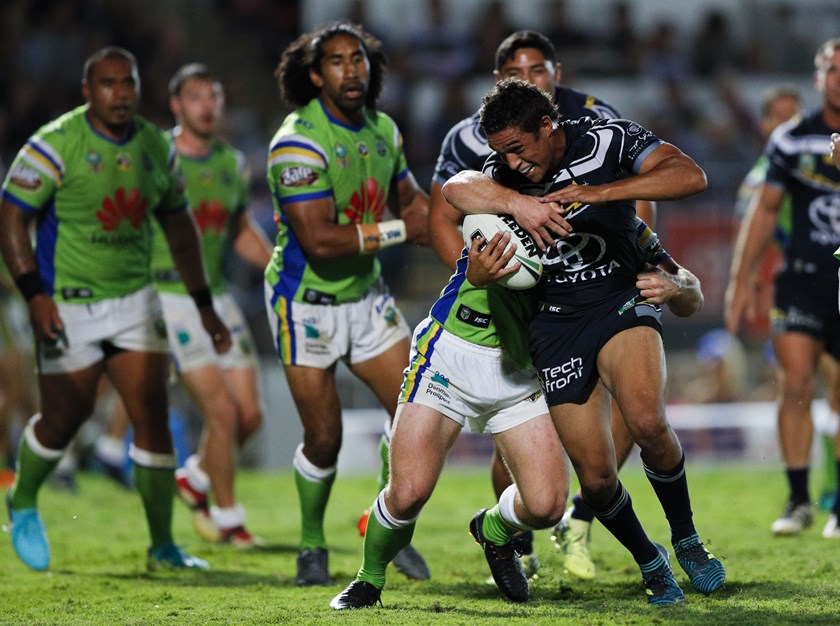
31, 472
156, 487
313, 496
384, 468
495, 529
381, 546
829, 466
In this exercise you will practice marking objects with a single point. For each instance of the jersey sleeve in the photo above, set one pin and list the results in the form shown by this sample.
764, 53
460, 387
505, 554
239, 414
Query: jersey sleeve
463, 148
781, 161
635, 142
37, 172
244, 179
173, 195
297, 169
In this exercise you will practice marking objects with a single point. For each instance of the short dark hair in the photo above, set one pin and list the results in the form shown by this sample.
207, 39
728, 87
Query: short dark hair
306, 52
524, 39
516, 103
106, 53
190, 71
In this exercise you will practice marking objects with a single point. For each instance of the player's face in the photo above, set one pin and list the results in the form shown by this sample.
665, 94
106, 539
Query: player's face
778, 111
531, 155
828, 81
344, 77
112, 93
530, 64
199, 106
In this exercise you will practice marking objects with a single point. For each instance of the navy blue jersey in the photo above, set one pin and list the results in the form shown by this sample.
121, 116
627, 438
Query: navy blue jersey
603, 253
800, 164
465, 145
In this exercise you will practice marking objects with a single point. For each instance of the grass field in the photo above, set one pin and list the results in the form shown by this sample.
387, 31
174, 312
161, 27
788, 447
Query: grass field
99, 539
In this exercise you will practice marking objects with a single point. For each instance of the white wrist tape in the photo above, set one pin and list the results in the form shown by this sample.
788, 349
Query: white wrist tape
372, 237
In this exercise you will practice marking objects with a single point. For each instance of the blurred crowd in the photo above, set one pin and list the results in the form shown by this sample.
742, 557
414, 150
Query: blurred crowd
698, 86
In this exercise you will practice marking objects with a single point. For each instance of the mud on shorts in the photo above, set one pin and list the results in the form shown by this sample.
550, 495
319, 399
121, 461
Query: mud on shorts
564, 341
318, 335
807, 303
190, 345
473, 385
93, 330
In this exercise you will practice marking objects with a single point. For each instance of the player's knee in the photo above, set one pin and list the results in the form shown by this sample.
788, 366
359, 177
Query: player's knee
250, 421
407, 498
547, 510
322, 448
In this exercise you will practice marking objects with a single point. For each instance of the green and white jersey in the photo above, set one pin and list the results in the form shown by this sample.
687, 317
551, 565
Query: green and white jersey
94, 198
314, 156
751, 184
217, 189
491, 316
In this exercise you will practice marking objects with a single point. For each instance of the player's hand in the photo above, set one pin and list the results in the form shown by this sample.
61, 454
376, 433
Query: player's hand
585, 194
835, 149
487, 265
739, 304
219, 334
416, 218
46, 322
543, 221
657, 287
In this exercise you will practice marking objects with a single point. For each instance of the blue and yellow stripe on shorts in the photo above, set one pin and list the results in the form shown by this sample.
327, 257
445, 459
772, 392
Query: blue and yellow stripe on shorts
424, 348
285, 345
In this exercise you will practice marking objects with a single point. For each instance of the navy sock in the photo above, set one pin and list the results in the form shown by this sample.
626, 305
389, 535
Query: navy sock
581, 510
620, 519
798, 481
671, 487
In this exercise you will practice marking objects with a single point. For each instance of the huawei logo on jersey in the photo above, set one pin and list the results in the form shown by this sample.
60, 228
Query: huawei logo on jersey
369, 200
211, 216
124, 205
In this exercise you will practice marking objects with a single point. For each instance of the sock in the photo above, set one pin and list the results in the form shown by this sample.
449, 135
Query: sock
154, 478
385, 456
829, 471
507, 511
798, 481
385, 537
495, 529
581, 510
34, 464
671, 487
196, 477
227, 518
620, 519
313, 486
836, 508
111, 450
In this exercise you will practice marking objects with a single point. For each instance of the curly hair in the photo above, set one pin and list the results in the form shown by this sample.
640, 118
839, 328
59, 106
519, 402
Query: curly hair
305, 54
515, 103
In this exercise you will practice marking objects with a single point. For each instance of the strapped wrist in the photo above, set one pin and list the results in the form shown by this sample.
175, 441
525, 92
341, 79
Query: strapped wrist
30, 285
373, 237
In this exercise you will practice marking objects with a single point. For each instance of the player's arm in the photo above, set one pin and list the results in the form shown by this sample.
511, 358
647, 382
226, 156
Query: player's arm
250, 242
671, 284
835, 149
666, 174
444, 220
184, 244
646, 210
20, 260
413, 210
475, 192
754, 236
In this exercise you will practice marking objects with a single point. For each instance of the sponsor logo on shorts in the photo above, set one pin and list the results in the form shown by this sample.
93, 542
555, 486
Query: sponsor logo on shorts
317, 349
558, 377
297, 176
534, 396
441, 379
438, 391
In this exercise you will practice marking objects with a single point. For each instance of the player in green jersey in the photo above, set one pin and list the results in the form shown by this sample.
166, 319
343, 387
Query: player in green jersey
332, 166
91, 181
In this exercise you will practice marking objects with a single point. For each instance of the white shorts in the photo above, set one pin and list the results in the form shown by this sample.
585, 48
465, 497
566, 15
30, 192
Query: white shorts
470, 384
318, 335
133, 322
189, 344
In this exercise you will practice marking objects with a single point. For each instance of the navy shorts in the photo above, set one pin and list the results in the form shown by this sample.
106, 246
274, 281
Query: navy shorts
565, 340
807, 303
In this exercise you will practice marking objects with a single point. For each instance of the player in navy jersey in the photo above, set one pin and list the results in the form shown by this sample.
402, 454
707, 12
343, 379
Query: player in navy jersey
804, 318
531, 56
572, 185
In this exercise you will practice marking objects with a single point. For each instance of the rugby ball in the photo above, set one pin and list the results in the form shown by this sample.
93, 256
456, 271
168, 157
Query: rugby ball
485, 225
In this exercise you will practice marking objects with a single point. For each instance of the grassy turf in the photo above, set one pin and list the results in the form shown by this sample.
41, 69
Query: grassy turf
99, 538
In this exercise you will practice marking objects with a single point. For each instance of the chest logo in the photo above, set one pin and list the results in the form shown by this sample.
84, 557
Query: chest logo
125, 205
211, 216
369, 200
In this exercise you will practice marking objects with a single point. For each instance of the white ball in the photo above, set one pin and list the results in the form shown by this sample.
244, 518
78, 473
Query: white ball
527, 253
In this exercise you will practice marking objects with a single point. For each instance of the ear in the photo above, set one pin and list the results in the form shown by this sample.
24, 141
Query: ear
86, 91
558, 72
316, 78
